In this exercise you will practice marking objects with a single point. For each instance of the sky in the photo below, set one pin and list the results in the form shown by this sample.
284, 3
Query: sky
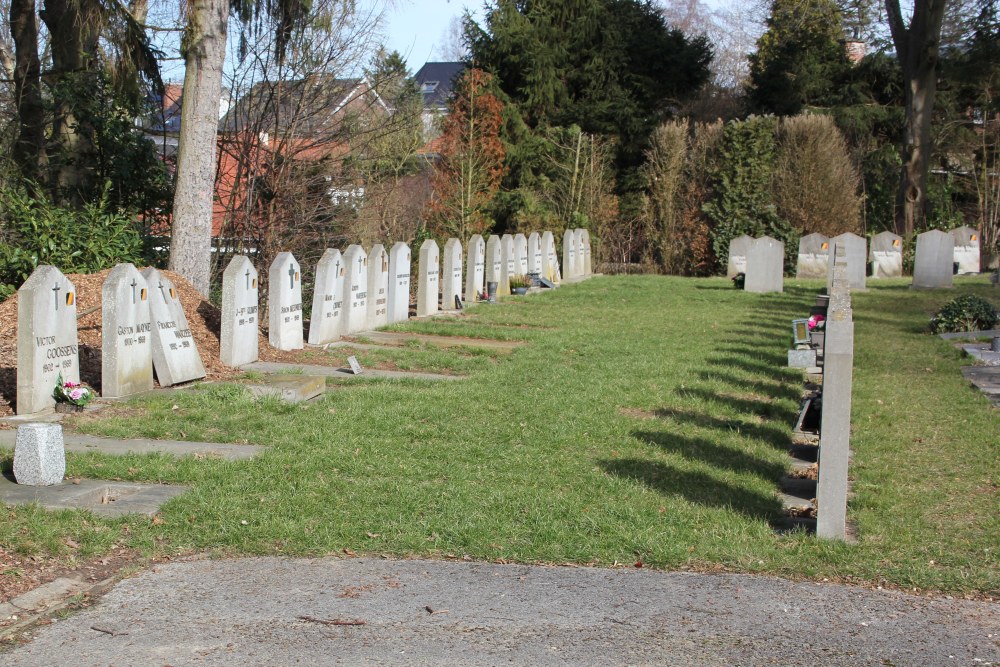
417, 28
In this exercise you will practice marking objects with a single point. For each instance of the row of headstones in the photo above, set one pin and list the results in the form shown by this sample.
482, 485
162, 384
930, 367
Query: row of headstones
144, 325
762, 260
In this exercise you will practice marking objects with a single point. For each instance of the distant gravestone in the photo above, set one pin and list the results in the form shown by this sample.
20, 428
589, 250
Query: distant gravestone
39, 454
399, 283
284, 303
535, 254
378, 287
569, 254
738, 249
550, 258
588, 268
855, 251
520, 254
934, 260
475, 268
494, 260
428, 280
886, 255
765, 266
47, 343
355, 289
451, 274
581, 254
966, 249
814, 256
327, 317
175, 354
507, 267
126, 341
238, 340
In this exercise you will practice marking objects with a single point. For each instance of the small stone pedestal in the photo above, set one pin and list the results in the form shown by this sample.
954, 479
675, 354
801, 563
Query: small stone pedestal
39, 455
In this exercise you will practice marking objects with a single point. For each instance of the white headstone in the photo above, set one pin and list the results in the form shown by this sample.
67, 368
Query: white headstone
569, 265
39, 454
475, 268
814, 256
399, 283
284, 303
966, 249
507, 267
175, 354
765, 266
355, 289
856, 252
451, 274
378, 287
581, 254
428, 280
738, 249
238, 340
126, 343
327, 318
886, 255
47, 343
521, 254
588, 268
535, 253
550, 259
933, 264
494, 261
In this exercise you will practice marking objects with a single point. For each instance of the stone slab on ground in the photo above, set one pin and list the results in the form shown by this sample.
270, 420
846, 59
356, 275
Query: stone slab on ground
289, 388
99, 496
43, 598
344, 373
393, 338
418, 612
81, 444
986, 379
984, 353
970, 335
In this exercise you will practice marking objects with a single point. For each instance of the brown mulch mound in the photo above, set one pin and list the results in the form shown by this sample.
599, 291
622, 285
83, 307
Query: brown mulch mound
204, 320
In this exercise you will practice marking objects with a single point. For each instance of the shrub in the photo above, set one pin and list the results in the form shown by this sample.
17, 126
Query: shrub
966, 313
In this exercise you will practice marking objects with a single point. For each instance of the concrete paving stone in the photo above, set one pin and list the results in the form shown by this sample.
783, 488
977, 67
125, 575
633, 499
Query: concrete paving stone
289, 388
343, 373
99, 496
393, 338
80, 443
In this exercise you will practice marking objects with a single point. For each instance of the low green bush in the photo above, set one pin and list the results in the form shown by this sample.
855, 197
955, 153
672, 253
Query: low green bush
966, 313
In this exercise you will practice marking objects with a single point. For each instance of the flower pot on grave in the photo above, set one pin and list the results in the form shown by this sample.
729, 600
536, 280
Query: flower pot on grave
491, 291
65, 408
520, 291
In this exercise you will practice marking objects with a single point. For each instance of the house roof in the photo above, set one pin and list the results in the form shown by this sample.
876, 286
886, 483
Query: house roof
310, 103
437, 81
167, 118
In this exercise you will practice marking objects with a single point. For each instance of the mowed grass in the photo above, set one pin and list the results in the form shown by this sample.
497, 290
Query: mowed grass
646, 420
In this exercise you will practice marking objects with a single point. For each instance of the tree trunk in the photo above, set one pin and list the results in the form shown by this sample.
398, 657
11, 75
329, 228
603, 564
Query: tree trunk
204, 53
29, 148
917, 50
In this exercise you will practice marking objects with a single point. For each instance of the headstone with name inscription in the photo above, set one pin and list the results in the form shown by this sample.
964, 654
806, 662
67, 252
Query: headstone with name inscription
588, 268
856, 252
175, 354
475, 268
355, 289
934, 260
738, 249
47, 342
428, 280
520, 254
507, 267
814, 256
399, 282
535, 253
126, 341
494, 260
327, 317
765, 266
451, 274
378, 287
581, 255
284, 303
886, 255
238, 340
569, 265
966, 249
550, 258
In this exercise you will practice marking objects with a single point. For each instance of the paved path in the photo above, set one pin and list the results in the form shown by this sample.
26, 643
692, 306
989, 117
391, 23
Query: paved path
270, 611
79, 442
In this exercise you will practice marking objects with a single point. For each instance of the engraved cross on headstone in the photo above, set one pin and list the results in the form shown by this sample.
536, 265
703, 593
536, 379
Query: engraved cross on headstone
291, 276
337, 267
134, 283
361, 260
162, 293
55, 293
248, 278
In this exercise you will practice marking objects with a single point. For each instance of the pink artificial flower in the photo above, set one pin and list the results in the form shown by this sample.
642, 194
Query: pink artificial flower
814, 321
71, 384
77, 394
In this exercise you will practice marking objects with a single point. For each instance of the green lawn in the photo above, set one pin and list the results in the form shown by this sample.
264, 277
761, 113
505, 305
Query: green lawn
646, 419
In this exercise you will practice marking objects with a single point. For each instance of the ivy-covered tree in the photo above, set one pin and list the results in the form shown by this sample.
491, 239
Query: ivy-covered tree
800, 60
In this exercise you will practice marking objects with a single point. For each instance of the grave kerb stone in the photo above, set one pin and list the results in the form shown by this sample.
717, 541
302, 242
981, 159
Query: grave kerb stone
238, 340
569, 265
521, 254
355, 289
475, 268
451, 273
428, 280
855, 254
284, 303
126, 340
326, 318
378, 287
507, 268
399, 282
